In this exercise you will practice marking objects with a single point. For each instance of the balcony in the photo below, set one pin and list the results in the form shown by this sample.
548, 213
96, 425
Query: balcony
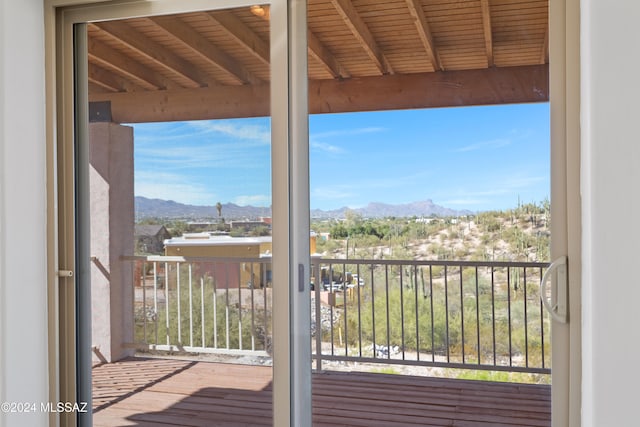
161, 392
368, 317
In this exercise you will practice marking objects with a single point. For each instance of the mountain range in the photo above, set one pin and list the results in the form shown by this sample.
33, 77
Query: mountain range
157, 208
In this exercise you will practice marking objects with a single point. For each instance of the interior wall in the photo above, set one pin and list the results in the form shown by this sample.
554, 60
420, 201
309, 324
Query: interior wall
610, 180
23, 269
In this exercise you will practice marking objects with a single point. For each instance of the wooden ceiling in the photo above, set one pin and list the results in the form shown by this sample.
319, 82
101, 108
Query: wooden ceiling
363, 55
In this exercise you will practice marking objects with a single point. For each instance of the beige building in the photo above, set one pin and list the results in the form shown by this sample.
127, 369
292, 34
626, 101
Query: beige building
252, 270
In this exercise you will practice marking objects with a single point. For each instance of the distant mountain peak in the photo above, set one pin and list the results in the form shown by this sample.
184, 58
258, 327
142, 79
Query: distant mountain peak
169, 209
380, 209
158, 208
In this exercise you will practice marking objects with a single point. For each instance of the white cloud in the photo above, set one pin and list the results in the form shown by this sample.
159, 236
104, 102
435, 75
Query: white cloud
332, 148
486, 145
511, 184
332, 193
504, 186
238, 130
490, 193
254, 200
172, 187
185, 156
322, 146
526, 181
343, 132
152, 133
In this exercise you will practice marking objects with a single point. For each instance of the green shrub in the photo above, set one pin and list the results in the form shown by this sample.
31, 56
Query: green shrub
432, 317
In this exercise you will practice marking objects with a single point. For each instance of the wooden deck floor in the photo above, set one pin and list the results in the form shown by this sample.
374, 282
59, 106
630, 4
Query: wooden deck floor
162, 392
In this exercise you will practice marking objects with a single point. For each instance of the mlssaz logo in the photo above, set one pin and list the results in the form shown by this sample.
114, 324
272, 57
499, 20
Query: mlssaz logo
64, 407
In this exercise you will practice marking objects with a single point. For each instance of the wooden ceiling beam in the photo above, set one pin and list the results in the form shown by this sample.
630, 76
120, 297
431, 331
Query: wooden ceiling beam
488, 34
246, 37
417, 13
97, 88
235, 28
321, 54
155, 52
544, 53
104, 86
489, 86
211, 53
109, 58
109, 80
362, 33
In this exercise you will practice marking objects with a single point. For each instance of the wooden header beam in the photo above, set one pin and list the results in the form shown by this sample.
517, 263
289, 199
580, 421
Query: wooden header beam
492, 86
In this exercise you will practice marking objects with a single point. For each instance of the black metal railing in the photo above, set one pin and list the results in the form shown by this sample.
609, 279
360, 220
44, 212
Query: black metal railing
459, 314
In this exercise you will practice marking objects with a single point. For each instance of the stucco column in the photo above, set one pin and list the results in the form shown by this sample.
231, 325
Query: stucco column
112, 215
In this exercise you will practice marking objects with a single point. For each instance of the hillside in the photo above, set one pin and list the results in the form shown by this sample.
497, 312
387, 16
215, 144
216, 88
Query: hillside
382, 210
520, 234
168, 209
420, 230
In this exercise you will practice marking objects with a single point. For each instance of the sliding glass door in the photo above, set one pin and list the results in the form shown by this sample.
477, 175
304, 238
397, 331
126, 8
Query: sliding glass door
202, 111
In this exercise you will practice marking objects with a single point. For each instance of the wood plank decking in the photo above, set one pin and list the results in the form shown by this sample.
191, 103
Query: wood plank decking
162, 392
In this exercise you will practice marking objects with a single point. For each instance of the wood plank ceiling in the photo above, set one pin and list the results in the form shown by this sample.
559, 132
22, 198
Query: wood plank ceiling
363, 55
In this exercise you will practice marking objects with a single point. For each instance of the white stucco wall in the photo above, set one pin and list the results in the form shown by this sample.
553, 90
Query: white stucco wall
611, 201
23, 297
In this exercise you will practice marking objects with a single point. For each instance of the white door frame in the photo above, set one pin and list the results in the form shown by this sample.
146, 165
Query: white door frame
290, 200
565, 192
291, 213
564, 83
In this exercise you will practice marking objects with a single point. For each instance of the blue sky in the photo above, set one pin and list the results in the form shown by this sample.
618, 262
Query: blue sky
475, 158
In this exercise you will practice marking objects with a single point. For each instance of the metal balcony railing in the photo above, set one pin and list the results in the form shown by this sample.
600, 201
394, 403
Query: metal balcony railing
202, 305
456, 314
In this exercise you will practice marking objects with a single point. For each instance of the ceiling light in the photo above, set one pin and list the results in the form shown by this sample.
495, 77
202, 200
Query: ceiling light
260, 11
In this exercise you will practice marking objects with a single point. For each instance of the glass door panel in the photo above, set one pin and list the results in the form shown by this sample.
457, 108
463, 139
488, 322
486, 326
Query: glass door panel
174, 215
430, 185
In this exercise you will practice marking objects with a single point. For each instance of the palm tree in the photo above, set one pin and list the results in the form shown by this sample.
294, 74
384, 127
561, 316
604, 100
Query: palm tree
219, 208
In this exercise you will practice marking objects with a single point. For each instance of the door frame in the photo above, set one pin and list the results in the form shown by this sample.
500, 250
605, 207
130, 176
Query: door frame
566, 213
290, 194
564, 27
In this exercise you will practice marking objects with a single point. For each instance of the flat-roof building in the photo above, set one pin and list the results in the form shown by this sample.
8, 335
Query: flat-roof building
251, 271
